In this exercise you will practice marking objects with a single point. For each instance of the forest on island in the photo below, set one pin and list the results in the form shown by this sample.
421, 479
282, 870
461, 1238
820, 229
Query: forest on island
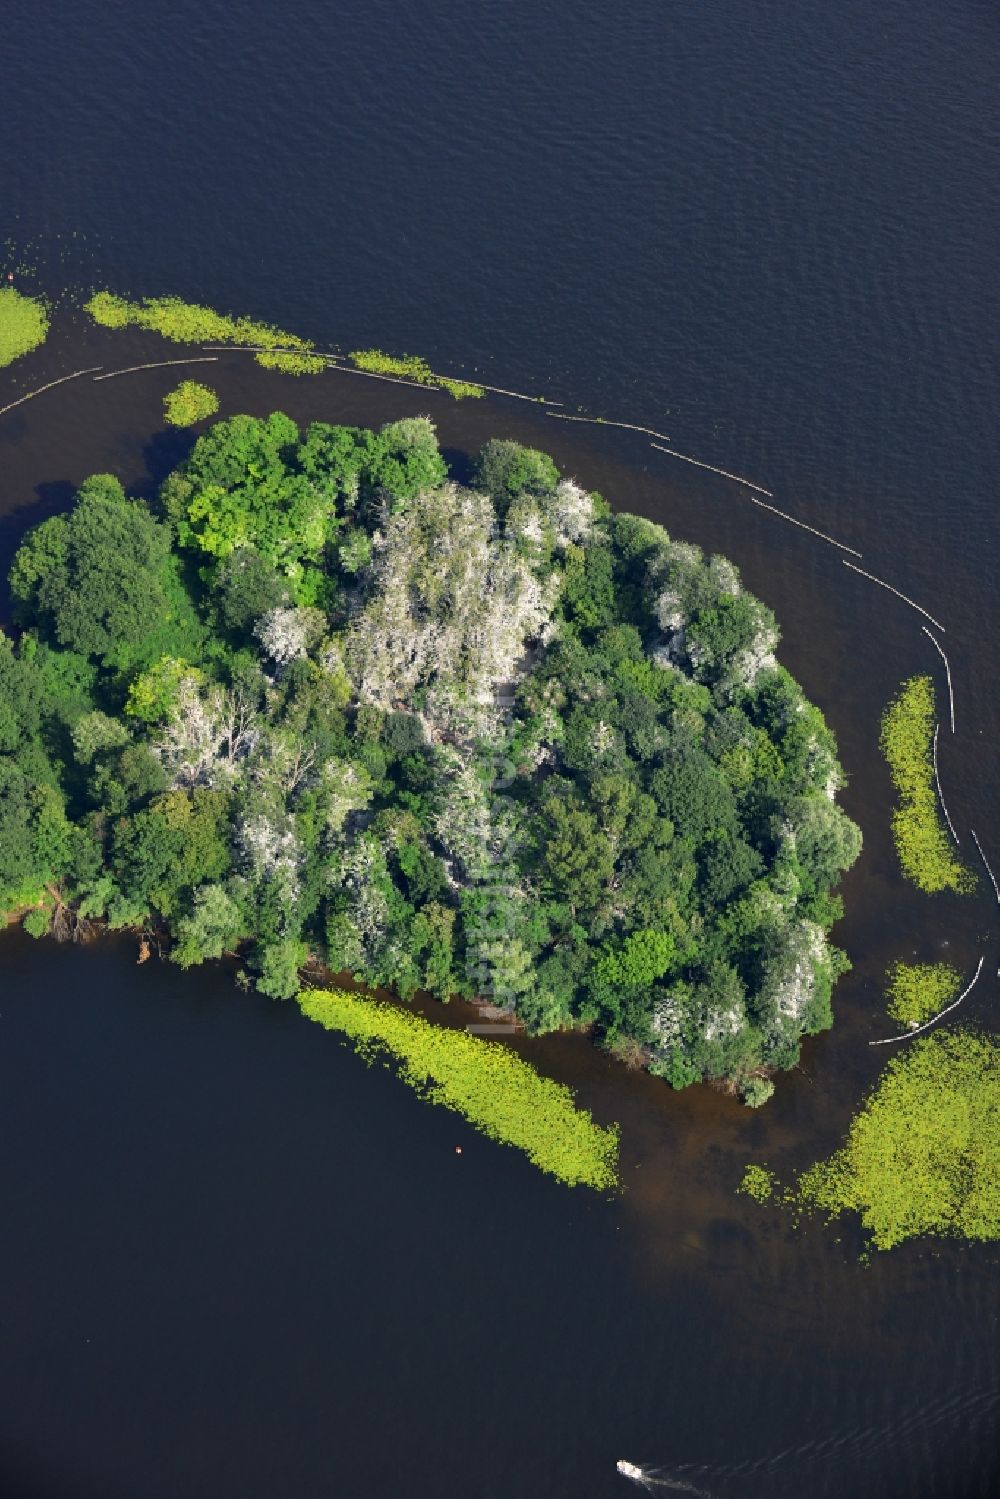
323, 701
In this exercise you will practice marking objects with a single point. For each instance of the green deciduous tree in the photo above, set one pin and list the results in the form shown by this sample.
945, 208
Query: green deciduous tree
279, 963
35, 836
247, 586
506, 469
96, 577
577, 858
213, 926
178, 842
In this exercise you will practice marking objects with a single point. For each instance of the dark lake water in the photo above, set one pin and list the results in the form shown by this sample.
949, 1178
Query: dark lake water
235, 1263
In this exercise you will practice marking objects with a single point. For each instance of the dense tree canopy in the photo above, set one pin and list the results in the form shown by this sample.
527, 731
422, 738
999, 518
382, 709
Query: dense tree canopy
491, 740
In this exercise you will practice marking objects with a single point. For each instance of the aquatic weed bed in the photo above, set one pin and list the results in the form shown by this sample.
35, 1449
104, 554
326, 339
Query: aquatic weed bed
187, 322
907, 742
919, 990
923, 1155
24, 324
489, 1085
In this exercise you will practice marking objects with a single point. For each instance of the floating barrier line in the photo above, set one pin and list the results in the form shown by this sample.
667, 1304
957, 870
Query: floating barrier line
350, 369
738, 478
601, 421
821, 534
937, 782
944, 658
330, 359
263, 349
908, 1035
61, 381
903, 596
993, 878
161, 364
498, 390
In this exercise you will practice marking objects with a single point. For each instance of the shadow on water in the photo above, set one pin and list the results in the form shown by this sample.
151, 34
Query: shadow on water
161, 455
52, 497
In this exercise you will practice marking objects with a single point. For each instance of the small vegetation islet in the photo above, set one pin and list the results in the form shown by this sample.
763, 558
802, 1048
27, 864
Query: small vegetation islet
24, 324
757, 1182
191, 402
907, 742
487, 1083
918, 991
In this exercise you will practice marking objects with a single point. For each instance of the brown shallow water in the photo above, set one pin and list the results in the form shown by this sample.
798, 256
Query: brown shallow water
235, 1261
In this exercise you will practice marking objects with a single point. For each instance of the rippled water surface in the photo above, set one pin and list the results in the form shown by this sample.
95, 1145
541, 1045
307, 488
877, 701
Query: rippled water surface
236, 1263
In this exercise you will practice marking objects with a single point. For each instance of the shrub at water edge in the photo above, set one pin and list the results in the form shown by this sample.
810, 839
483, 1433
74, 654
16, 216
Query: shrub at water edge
293, 364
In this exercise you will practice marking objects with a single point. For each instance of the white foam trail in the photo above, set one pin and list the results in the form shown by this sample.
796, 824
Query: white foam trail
944, 658
680, 1484
658, 1479
850, 1444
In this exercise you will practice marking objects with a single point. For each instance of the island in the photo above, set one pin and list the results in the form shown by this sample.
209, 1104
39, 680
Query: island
473, 734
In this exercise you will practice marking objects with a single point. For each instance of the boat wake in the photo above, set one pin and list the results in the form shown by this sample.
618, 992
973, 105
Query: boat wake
656, 1478
848, 1448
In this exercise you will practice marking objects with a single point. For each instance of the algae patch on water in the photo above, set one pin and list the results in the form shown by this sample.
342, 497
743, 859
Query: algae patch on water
923, 1154
412, 367
918, 991
757, 1182
24, 324
498, 1093
907, 743
189, 403
187, 322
